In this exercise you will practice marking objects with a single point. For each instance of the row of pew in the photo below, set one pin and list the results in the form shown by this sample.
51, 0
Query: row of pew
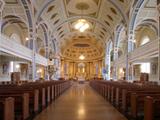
25, 101
135, 101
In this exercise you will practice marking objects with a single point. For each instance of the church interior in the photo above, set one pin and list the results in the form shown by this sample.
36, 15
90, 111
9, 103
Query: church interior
79, 59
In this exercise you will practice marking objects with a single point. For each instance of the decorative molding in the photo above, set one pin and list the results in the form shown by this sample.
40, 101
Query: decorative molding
10, 46
2, 4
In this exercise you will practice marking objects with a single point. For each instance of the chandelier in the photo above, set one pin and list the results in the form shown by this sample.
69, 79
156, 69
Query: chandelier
81, 25
81, 57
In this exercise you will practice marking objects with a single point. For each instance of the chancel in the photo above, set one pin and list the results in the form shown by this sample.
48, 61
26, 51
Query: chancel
79, 59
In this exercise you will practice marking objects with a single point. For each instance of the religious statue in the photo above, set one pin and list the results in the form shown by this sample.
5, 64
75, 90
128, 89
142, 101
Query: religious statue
52, 69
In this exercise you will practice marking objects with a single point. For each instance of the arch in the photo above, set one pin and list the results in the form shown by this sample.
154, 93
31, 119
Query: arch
135, 14
131, 28
144, 35
28, 12
87, 32
149, 22
29, 16
85, 17
31, 26
114, 2
45, 31
9, 18
10, 22
119, 29
118, 36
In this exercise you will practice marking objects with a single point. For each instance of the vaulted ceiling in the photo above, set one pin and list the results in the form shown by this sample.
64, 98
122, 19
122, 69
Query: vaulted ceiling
60, 16
102, 15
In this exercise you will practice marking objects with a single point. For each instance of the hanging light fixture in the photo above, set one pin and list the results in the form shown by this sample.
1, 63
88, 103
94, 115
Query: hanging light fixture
27, 38
81, 57
81, 25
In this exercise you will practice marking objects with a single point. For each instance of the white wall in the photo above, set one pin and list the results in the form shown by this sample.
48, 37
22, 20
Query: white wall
6, 68
154, 70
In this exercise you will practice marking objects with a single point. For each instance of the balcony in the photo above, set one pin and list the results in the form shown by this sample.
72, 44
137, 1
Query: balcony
41, 60
10, 46
148, 50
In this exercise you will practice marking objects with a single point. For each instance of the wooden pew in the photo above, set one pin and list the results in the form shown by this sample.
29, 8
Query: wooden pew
151, 108
21, 105
120, 95
138, 101
7, 108
40, 94
33, 95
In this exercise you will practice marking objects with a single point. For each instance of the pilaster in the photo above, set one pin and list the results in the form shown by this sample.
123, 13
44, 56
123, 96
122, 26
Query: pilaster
2, 4
158, 7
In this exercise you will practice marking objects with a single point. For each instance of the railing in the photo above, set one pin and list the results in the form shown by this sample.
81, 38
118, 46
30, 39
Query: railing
41, 60
9, 46
146, 51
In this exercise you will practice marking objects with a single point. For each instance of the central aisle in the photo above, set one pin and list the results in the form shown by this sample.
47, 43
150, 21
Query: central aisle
80, 103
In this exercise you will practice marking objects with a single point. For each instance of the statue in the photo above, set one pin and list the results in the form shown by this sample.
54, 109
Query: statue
52, 69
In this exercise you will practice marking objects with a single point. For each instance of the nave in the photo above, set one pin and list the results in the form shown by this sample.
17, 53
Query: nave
80, 102
113, 45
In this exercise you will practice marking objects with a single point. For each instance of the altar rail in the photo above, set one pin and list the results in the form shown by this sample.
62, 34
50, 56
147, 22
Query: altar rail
11, 47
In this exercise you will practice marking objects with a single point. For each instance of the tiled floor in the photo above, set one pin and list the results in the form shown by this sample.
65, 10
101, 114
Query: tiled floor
80, 103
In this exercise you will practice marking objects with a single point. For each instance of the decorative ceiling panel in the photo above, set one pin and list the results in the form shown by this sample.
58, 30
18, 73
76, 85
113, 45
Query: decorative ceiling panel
82, 7
76, 49
11, 1
102, 15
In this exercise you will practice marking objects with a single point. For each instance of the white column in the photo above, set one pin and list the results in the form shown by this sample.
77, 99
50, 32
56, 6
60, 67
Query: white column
158, 7
127, 56
1, 21
130, 48
132, 71
2, 3
32, 40
131, 41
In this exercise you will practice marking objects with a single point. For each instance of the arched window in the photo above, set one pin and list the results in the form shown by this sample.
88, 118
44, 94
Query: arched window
144, 40
16, 38
145, 68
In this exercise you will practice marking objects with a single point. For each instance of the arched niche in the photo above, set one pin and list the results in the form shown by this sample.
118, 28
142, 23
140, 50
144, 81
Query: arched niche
39, 44
42, 52
16, 38
15, 28
120, 41
143, 35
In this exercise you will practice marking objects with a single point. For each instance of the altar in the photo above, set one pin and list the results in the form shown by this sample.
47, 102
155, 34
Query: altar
81, 74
